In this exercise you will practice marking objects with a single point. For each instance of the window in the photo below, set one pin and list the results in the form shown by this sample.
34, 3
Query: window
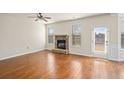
50, 35
76, 35
122, 34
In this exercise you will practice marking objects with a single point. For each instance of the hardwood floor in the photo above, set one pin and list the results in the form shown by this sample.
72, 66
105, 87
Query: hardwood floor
48, 65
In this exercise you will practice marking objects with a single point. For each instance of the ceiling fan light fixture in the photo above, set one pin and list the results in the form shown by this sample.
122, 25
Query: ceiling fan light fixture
41, 17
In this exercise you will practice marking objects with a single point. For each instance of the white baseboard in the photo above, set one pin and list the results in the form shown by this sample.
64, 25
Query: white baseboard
20, 54
80, 54
113, 59
48, 49
90, 55
118, 60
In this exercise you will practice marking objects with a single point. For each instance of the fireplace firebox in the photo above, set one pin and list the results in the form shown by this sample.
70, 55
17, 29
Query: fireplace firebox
61, 44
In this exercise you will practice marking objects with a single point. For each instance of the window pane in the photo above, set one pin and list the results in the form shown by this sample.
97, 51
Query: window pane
122, 40
50, 35
76, 29
122, 34
76, 37
50, 31
99, 41
50, 39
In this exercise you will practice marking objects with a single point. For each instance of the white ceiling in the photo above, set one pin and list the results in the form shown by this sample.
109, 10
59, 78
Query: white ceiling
66, 16
55, 16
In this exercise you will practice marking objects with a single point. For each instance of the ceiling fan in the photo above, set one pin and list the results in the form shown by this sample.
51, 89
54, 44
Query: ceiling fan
40, 16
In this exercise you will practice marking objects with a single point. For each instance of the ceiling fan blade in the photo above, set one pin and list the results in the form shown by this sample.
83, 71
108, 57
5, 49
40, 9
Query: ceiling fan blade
44, 19
47, 17
36, 19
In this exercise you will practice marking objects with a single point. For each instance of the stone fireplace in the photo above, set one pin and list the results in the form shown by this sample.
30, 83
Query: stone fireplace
61, 44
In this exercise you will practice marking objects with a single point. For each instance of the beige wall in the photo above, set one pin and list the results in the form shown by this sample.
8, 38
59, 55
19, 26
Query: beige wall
87, 25
19, 35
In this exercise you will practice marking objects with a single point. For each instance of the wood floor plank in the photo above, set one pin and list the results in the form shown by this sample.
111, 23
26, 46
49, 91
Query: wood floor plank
48, 65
